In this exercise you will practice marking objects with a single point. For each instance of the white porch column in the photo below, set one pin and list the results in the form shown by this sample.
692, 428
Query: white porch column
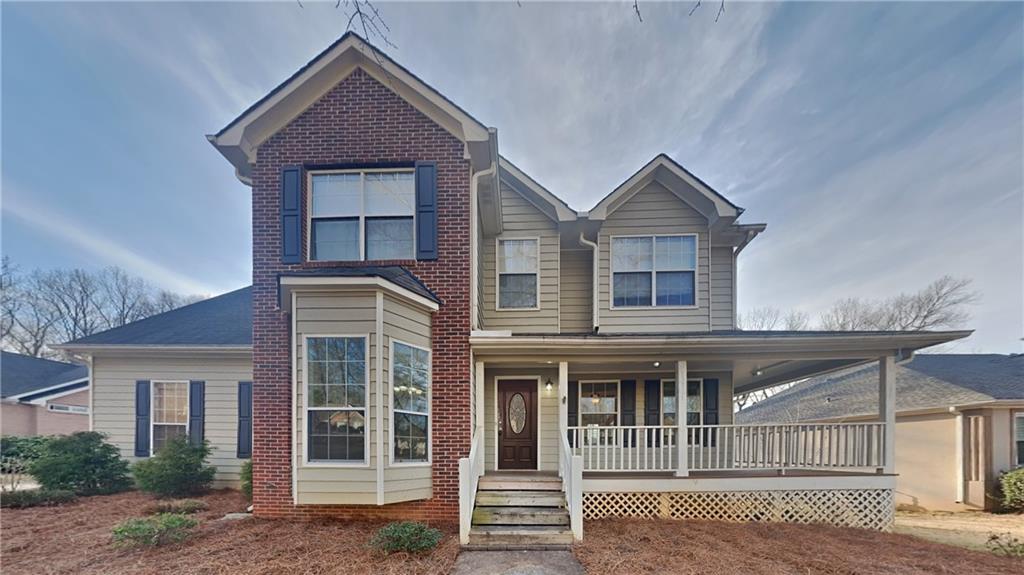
887, 409
478, 433
682, 445
563, 396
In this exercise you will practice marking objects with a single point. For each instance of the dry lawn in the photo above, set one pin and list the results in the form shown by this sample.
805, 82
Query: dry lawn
75, 538
967, 528
675, 547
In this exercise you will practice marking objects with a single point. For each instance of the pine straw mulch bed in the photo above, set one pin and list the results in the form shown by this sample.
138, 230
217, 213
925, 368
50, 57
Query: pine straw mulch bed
617, 546
75, 538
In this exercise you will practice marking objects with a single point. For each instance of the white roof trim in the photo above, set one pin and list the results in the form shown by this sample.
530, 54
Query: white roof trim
372, 282
136, 349
52, 387
563, 213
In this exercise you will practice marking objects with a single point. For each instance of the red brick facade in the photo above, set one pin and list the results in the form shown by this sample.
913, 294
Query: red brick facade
360, 121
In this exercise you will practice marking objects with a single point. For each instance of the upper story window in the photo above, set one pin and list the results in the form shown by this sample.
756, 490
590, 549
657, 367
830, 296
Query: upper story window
518, 273
362, 215
654, 270
336, 399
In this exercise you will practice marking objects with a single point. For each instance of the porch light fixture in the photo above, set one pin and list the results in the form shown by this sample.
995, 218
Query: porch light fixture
657, 364
548, 385
594, 398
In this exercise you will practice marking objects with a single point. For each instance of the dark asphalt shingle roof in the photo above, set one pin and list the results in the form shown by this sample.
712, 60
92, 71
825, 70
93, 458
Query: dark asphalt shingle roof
21, 374
927, 381
397, 275
225, 320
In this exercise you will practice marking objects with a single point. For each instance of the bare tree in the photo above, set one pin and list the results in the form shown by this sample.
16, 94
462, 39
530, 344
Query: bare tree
759, 319
796, 320
73, 295
9, 304
165, 300
849, 314
941, 304
122, 298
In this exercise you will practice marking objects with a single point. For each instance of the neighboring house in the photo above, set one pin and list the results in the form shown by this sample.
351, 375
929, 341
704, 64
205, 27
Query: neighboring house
959, 422
428, 322
42, 396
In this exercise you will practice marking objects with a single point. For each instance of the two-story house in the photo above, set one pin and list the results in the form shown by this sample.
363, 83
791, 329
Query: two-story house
434, 334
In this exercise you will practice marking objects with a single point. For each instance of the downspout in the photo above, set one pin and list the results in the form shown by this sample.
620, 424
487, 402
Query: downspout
474, 223
959, 457
594, 299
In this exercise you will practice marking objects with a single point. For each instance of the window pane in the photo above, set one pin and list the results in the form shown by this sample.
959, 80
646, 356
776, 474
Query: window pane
632, 289
517, 291
675, 288
336, 240
390, 194
389, 238
600, 401
668, 402
336, 435
632, 254
170, 402
164, 433
676, 253
411, 437
335, 195
517, 256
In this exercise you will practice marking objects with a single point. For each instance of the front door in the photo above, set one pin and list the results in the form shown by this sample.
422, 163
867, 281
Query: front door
517, 424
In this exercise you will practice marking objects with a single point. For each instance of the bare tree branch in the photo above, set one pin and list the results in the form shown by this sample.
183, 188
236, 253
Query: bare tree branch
759, 319
721, 10
636, 8
694, 9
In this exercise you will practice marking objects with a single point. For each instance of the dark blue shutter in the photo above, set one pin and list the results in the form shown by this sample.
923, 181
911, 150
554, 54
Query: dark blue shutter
291, 215
711, 409
244, 419
573, 408
652, 406
426, 210
627, 414
196, 411
142, 418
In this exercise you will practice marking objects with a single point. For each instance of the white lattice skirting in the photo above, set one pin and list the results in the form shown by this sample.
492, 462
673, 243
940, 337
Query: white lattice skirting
863, 508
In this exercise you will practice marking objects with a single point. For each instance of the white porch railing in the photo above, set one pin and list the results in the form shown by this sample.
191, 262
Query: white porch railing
570, 467
470, 470
731, 447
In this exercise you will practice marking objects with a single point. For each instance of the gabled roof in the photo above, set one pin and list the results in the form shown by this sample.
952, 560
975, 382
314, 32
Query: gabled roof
929, 381
24, 375
551, 205
679, 181
222, 321
238, 140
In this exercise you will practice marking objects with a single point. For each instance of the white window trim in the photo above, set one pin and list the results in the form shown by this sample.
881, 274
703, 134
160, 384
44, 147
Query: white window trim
393, 410
152, 411
497, 273
498, 379
71, 409
1018, 423
362, 209
654, 272
618, 400
306, 409
661, 410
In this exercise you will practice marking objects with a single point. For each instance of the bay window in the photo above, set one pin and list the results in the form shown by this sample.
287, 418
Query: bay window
170, 412
410, 386
651, 271
336, 398
518, 273
362, 215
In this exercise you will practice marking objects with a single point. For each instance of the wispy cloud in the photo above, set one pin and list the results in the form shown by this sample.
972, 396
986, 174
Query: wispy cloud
47, 220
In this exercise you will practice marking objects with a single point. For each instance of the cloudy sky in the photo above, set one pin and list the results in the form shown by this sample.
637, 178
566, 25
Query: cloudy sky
882, 143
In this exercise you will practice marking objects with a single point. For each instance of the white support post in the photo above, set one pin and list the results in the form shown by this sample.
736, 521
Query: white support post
682, 443
887, 409
479, 431
563, 401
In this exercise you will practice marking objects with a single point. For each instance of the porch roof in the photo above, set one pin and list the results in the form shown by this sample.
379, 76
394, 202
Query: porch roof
758, 359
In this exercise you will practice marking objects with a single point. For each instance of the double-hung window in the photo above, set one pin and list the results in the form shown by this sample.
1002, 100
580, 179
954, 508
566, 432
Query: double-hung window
364, 215
1019, 437
335, 375
599, 404
410, 384
518, 273
694, 403
170, 412
654, 271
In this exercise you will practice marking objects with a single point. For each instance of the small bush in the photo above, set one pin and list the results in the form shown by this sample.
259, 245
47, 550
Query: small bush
1005, 544
246, 477
153, 531
183, 506
35, 498
82, 462
16, 453
1012, 487
177, 470
407, 536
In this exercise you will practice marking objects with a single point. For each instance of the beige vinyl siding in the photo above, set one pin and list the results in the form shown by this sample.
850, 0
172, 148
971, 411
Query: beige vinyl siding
723, 311
576, 290
411, 325
325, 314
547, 418
521, 219
926, 462
654, 210
113, 384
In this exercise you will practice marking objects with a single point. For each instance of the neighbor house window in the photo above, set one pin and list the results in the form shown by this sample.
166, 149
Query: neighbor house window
170, 412
1019, 437
62, 408
364, 215
599, 403
335, 377
654, 271
410, 383
518, 273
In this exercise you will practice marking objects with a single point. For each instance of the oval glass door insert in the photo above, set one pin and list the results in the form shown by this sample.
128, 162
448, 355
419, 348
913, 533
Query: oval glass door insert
517, 413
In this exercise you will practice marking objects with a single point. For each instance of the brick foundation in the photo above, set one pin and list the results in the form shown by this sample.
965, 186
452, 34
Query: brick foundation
360, 121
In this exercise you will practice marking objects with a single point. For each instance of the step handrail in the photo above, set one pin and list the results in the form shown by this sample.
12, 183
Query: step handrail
571, 469
470, 470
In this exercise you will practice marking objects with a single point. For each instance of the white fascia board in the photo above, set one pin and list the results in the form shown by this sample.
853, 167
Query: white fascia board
562, 211
289, 283
48, 388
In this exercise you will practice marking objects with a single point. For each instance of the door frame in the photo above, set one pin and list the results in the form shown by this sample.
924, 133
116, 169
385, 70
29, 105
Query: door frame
497, 382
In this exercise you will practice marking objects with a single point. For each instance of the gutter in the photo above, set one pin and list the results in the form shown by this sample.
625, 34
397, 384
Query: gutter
594, 298
474, 223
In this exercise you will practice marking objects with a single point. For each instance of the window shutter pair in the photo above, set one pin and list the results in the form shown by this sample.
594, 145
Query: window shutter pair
196, 414
292, 220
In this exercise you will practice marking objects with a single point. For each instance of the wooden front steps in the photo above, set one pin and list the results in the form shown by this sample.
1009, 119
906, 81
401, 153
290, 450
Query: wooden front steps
520, 511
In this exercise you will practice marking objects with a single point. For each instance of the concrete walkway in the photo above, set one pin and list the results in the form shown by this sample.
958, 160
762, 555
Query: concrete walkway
517, 563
